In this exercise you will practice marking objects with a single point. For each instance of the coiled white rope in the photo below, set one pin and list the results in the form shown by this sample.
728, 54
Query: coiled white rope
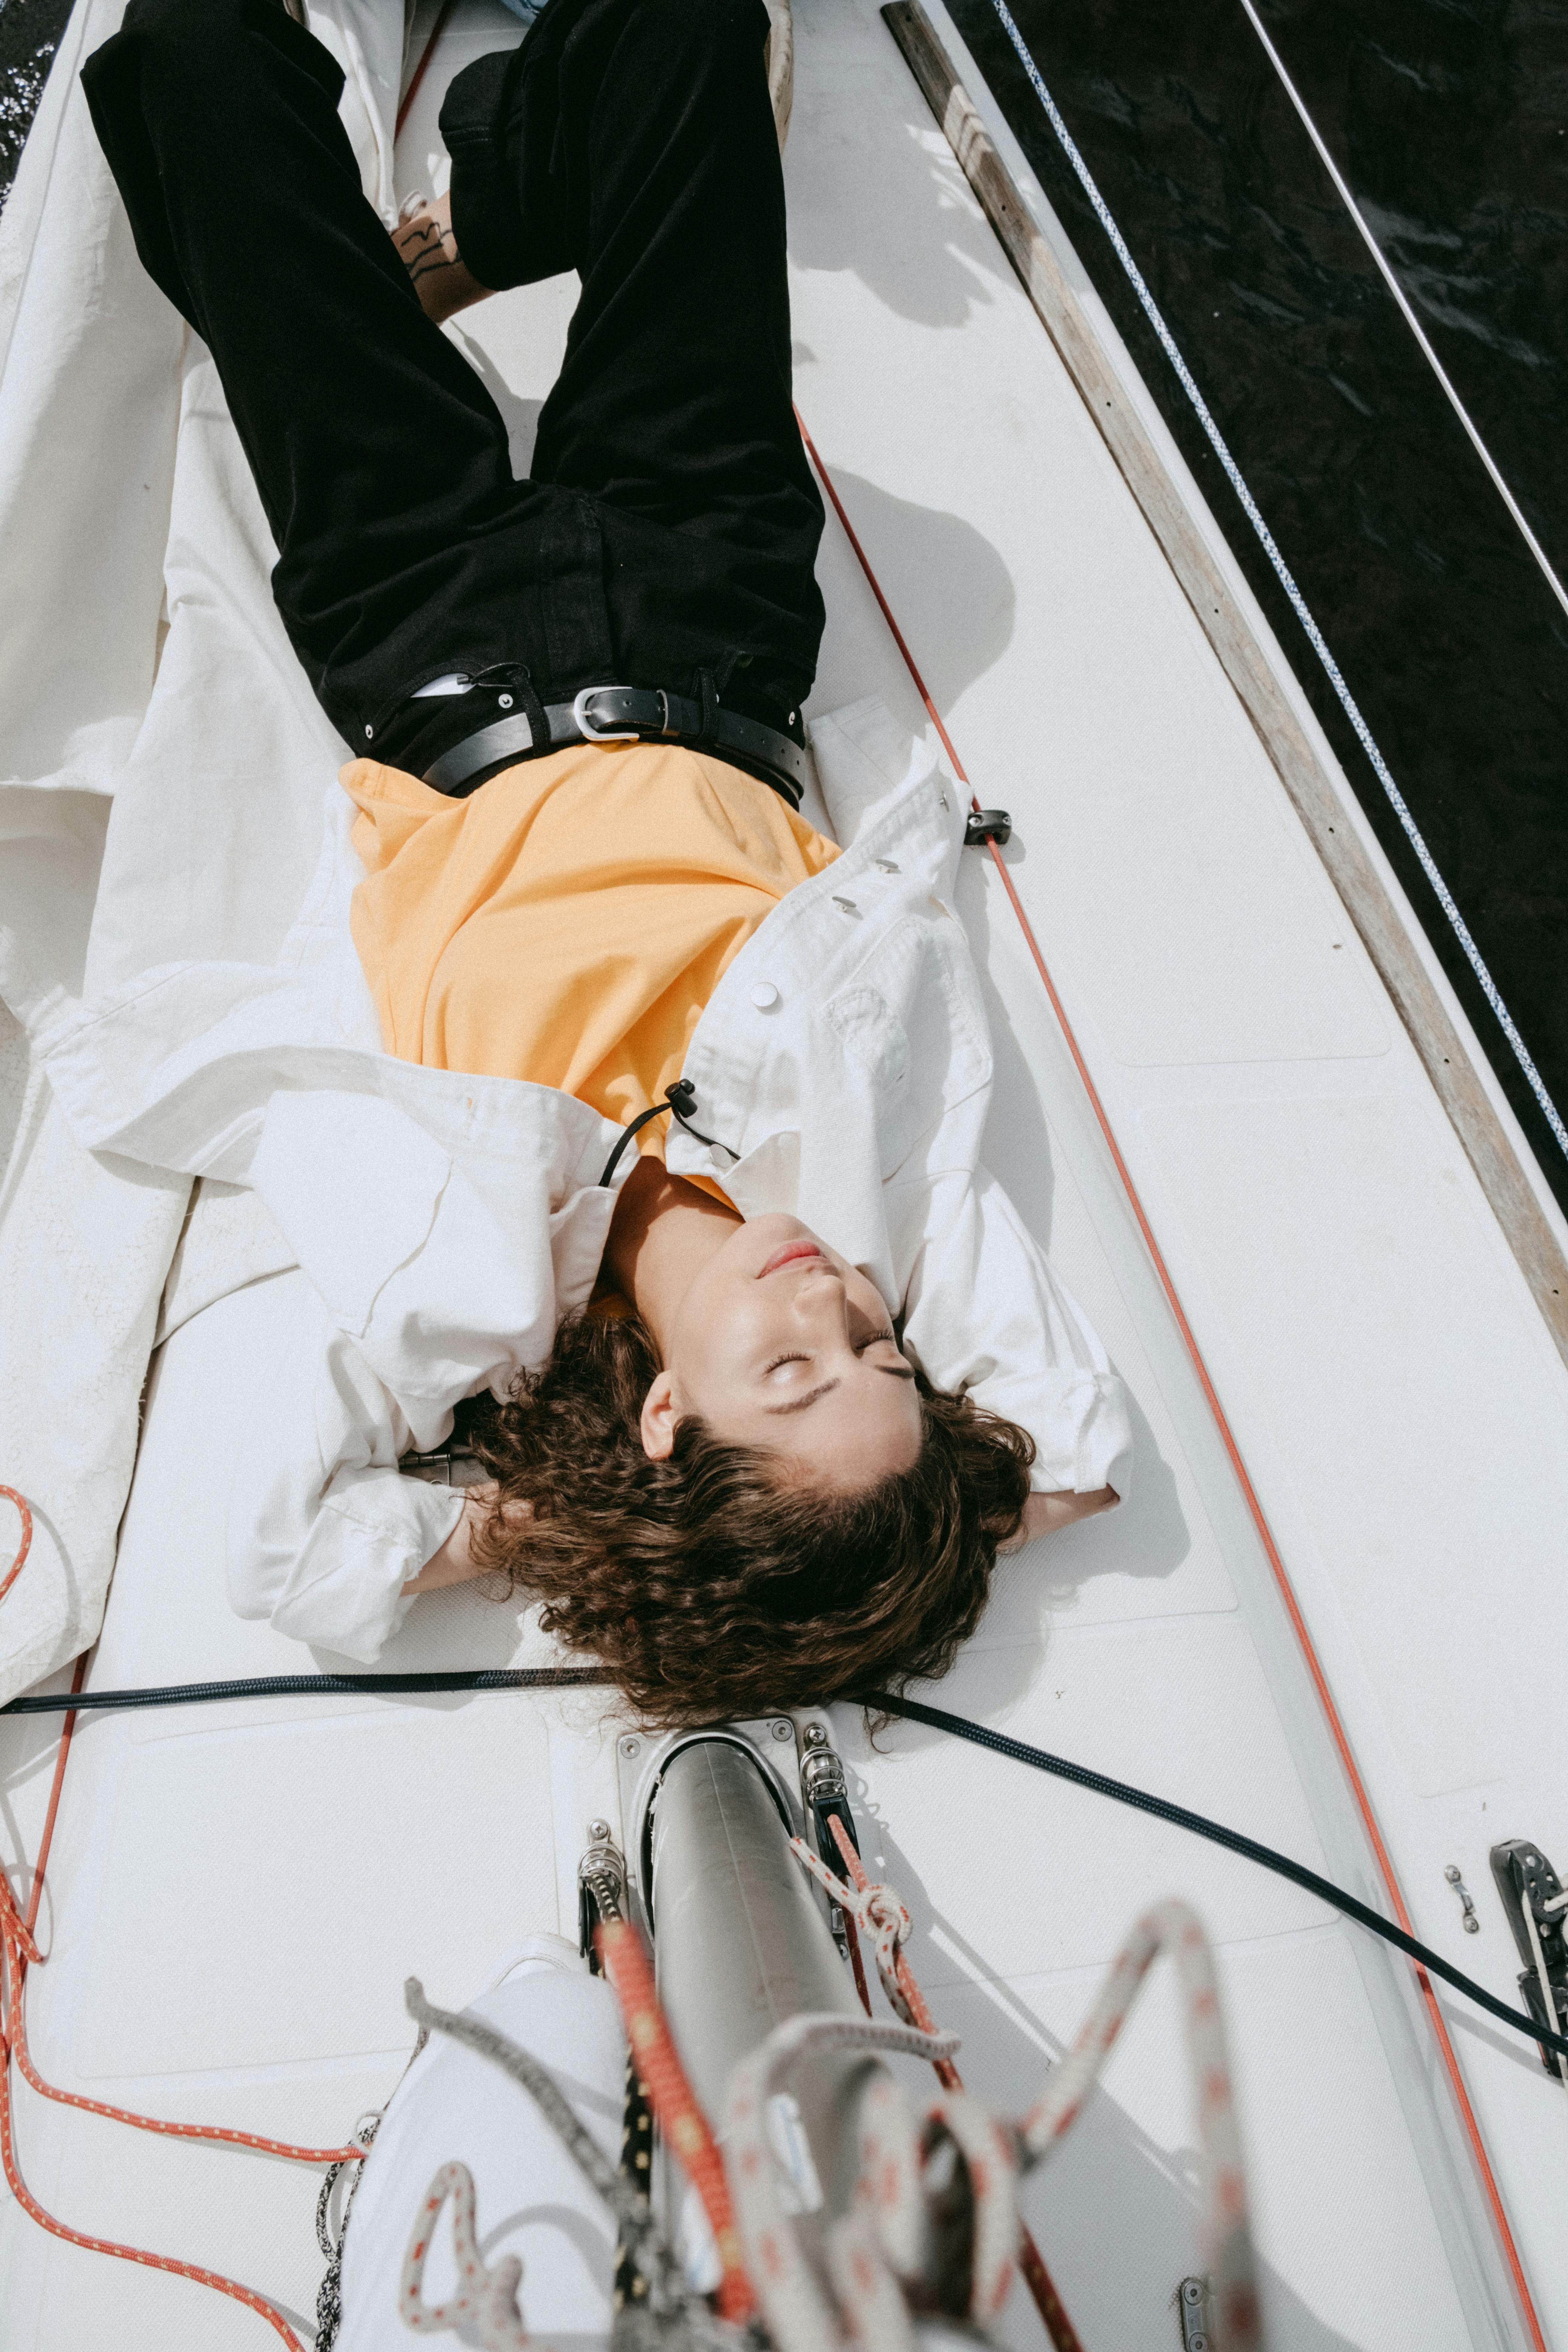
916, 2176
882, 2236
885, 2239
1155, 317
1173, 1928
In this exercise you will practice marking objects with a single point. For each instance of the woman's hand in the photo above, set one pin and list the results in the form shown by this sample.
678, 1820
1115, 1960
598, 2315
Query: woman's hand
428, 251
455, 1562
1042, 1512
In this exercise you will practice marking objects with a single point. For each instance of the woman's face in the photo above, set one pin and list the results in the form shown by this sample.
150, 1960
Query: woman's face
781, 1343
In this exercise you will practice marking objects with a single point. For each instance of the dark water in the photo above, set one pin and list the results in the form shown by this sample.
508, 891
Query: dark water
28, 32
1449, 118
1449, 121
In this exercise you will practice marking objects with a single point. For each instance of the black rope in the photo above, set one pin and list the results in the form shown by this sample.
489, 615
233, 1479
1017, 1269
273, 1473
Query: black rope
630, 2283
980, 1734
1000, 1743
654, 1110
680, 1099
468, 1678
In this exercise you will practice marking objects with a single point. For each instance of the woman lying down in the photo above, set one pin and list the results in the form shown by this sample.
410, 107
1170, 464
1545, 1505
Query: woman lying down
671, 1153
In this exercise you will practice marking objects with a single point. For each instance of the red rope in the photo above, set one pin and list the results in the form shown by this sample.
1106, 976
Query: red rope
48, 1839
25, 1543
857, 1965
852, 1944
1031, 2262
1249, 1493
423, 68
20, 1950
674, 2103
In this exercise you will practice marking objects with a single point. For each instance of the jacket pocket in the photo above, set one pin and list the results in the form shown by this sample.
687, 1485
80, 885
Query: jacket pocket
909, 1019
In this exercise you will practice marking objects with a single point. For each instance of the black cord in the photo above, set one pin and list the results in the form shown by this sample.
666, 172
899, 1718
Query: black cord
468, 1678
486, 1678
1217, 1834
655, 1110
680, 1098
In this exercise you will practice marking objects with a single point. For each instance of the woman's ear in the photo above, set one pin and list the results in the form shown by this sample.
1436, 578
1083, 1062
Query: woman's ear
656, 1425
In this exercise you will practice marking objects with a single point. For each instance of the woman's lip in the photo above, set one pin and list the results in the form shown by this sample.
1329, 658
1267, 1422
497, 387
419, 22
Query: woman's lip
789, 1253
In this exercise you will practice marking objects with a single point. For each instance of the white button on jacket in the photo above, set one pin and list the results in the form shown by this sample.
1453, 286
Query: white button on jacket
448, 1223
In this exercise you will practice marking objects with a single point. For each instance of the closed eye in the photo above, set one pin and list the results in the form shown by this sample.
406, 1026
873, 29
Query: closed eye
897, 1372
794, 1358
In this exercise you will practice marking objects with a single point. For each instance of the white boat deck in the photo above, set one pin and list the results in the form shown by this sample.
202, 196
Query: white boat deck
237, 1893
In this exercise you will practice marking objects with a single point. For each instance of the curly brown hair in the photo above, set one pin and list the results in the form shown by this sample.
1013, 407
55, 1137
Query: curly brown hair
712, 1586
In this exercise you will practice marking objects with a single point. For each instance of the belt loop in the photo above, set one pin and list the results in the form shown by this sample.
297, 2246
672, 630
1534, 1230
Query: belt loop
533, 709
518, 680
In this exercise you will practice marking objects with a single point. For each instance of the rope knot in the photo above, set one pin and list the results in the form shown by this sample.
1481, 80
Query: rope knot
15, 1936
880, 1911
882, 1916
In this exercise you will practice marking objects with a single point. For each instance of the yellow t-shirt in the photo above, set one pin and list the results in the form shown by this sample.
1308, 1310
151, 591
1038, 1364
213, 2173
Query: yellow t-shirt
568, 922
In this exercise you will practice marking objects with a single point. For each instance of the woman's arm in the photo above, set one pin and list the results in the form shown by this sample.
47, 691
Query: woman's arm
324, 1530
455, 1563
1042, 1512
428, 251
986, 1311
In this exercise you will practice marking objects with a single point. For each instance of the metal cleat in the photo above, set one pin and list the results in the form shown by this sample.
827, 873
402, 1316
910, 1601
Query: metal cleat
826, 1792
601, 1887
1533, 1898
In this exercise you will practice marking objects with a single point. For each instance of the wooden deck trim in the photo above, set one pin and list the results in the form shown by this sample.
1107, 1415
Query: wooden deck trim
1444, 1056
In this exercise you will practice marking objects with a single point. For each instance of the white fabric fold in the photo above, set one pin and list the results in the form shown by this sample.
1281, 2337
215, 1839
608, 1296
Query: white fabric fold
162, 767
323, 1529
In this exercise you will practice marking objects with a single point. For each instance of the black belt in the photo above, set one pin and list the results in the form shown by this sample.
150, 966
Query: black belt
624, 714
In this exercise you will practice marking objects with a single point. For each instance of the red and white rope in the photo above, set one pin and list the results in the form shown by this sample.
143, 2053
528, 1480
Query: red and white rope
890, 2164
1173, 1928
674, 2103
484, 2299
880, 1916
19, 1951
883, 1909
24, 1542
796, 2312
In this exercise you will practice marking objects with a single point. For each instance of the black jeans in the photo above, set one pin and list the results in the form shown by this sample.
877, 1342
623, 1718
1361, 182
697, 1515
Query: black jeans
670, 522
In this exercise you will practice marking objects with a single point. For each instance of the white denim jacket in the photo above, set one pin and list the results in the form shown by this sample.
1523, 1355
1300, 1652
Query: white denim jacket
447, 1224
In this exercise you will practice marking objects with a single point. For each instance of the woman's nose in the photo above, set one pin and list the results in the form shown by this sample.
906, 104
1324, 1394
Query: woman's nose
823, 1293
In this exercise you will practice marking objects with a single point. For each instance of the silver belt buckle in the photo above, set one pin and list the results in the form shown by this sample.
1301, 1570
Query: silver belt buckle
585, 726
